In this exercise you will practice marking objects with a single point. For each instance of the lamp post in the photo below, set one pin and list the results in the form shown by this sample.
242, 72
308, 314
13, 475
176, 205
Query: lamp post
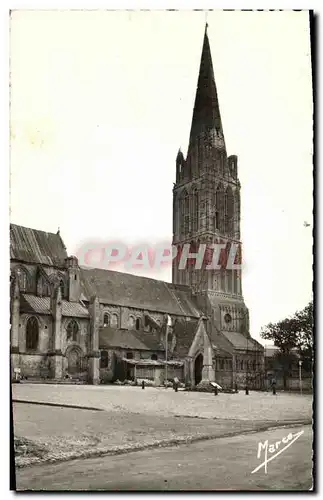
169, 322
300, 375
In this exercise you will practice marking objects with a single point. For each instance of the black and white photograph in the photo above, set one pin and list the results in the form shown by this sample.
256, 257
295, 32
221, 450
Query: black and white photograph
161, 250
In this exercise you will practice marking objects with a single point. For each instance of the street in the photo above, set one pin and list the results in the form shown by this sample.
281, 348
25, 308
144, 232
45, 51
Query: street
217, 464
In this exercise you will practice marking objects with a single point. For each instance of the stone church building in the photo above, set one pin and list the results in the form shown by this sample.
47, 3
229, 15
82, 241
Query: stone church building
98, 325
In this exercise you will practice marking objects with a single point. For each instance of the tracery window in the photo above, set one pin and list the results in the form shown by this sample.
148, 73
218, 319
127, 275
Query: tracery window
32, 334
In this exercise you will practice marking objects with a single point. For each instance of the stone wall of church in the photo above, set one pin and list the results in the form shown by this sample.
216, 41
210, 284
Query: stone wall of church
33, 365
45, 332
83, 335
31, 273
125, 317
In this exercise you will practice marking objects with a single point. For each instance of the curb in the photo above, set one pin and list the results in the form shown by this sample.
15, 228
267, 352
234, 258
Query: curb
161, 444
59, 405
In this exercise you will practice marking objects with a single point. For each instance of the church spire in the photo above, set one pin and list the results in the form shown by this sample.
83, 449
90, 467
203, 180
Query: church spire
206, 114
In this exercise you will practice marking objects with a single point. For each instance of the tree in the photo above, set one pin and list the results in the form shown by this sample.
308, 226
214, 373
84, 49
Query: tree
292, 335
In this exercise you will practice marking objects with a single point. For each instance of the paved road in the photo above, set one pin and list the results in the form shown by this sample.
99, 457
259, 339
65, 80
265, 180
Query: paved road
161, 402
220, 464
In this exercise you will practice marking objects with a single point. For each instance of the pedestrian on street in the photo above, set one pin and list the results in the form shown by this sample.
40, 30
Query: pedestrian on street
273, 384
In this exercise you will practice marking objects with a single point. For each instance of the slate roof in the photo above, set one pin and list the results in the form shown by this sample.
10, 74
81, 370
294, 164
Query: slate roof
272, 350
239, 341
129, 339
41, 305
36, 247
128, 290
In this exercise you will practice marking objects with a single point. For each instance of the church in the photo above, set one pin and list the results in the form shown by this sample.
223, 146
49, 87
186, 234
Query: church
69, 322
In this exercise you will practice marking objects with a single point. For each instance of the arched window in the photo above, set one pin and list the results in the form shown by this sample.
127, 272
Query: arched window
154, 357
236, 209
195, 210
72, 330
186, 212
229, 210
23, 279
235, 281
131, 322
106, 320
229, 279
138, 324
62, 287
43, 287
218, 208
104, 359
32, 334
225, 211
114, 321
222, 278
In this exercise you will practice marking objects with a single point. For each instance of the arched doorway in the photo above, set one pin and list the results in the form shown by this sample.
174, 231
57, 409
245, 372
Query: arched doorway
74, 361
198, 368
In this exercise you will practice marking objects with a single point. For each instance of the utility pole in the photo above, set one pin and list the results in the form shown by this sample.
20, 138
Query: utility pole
300, 375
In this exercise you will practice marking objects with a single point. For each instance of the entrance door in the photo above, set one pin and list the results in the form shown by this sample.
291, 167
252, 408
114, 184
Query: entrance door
74, 361
198, 368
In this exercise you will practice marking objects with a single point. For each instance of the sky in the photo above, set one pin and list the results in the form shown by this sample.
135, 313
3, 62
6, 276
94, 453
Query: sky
101, 101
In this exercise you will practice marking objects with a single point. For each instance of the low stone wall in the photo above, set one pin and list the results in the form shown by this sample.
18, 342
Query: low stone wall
33, 365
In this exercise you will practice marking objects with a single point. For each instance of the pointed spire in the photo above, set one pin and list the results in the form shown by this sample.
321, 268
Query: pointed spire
206, 114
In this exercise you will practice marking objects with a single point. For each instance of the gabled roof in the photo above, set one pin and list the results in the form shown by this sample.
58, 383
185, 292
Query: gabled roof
185, 332
36, 247
41, 305
128, 290
239, 341
129, 339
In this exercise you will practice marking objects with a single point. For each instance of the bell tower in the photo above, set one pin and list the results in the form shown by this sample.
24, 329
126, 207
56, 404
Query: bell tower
206, 195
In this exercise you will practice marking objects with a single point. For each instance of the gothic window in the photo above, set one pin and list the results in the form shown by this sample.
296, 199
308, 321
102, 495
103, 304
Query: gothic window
106, 320
195, 210
62, 287
138, 324
235, 282
237, 208
23, 279
183, 200
72, 330
229, 210
114, 321
229, 278
218, 206
43, 287
225, 211
104, 360
222, 280
187, 213
32, 334
154, 357
222, 161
